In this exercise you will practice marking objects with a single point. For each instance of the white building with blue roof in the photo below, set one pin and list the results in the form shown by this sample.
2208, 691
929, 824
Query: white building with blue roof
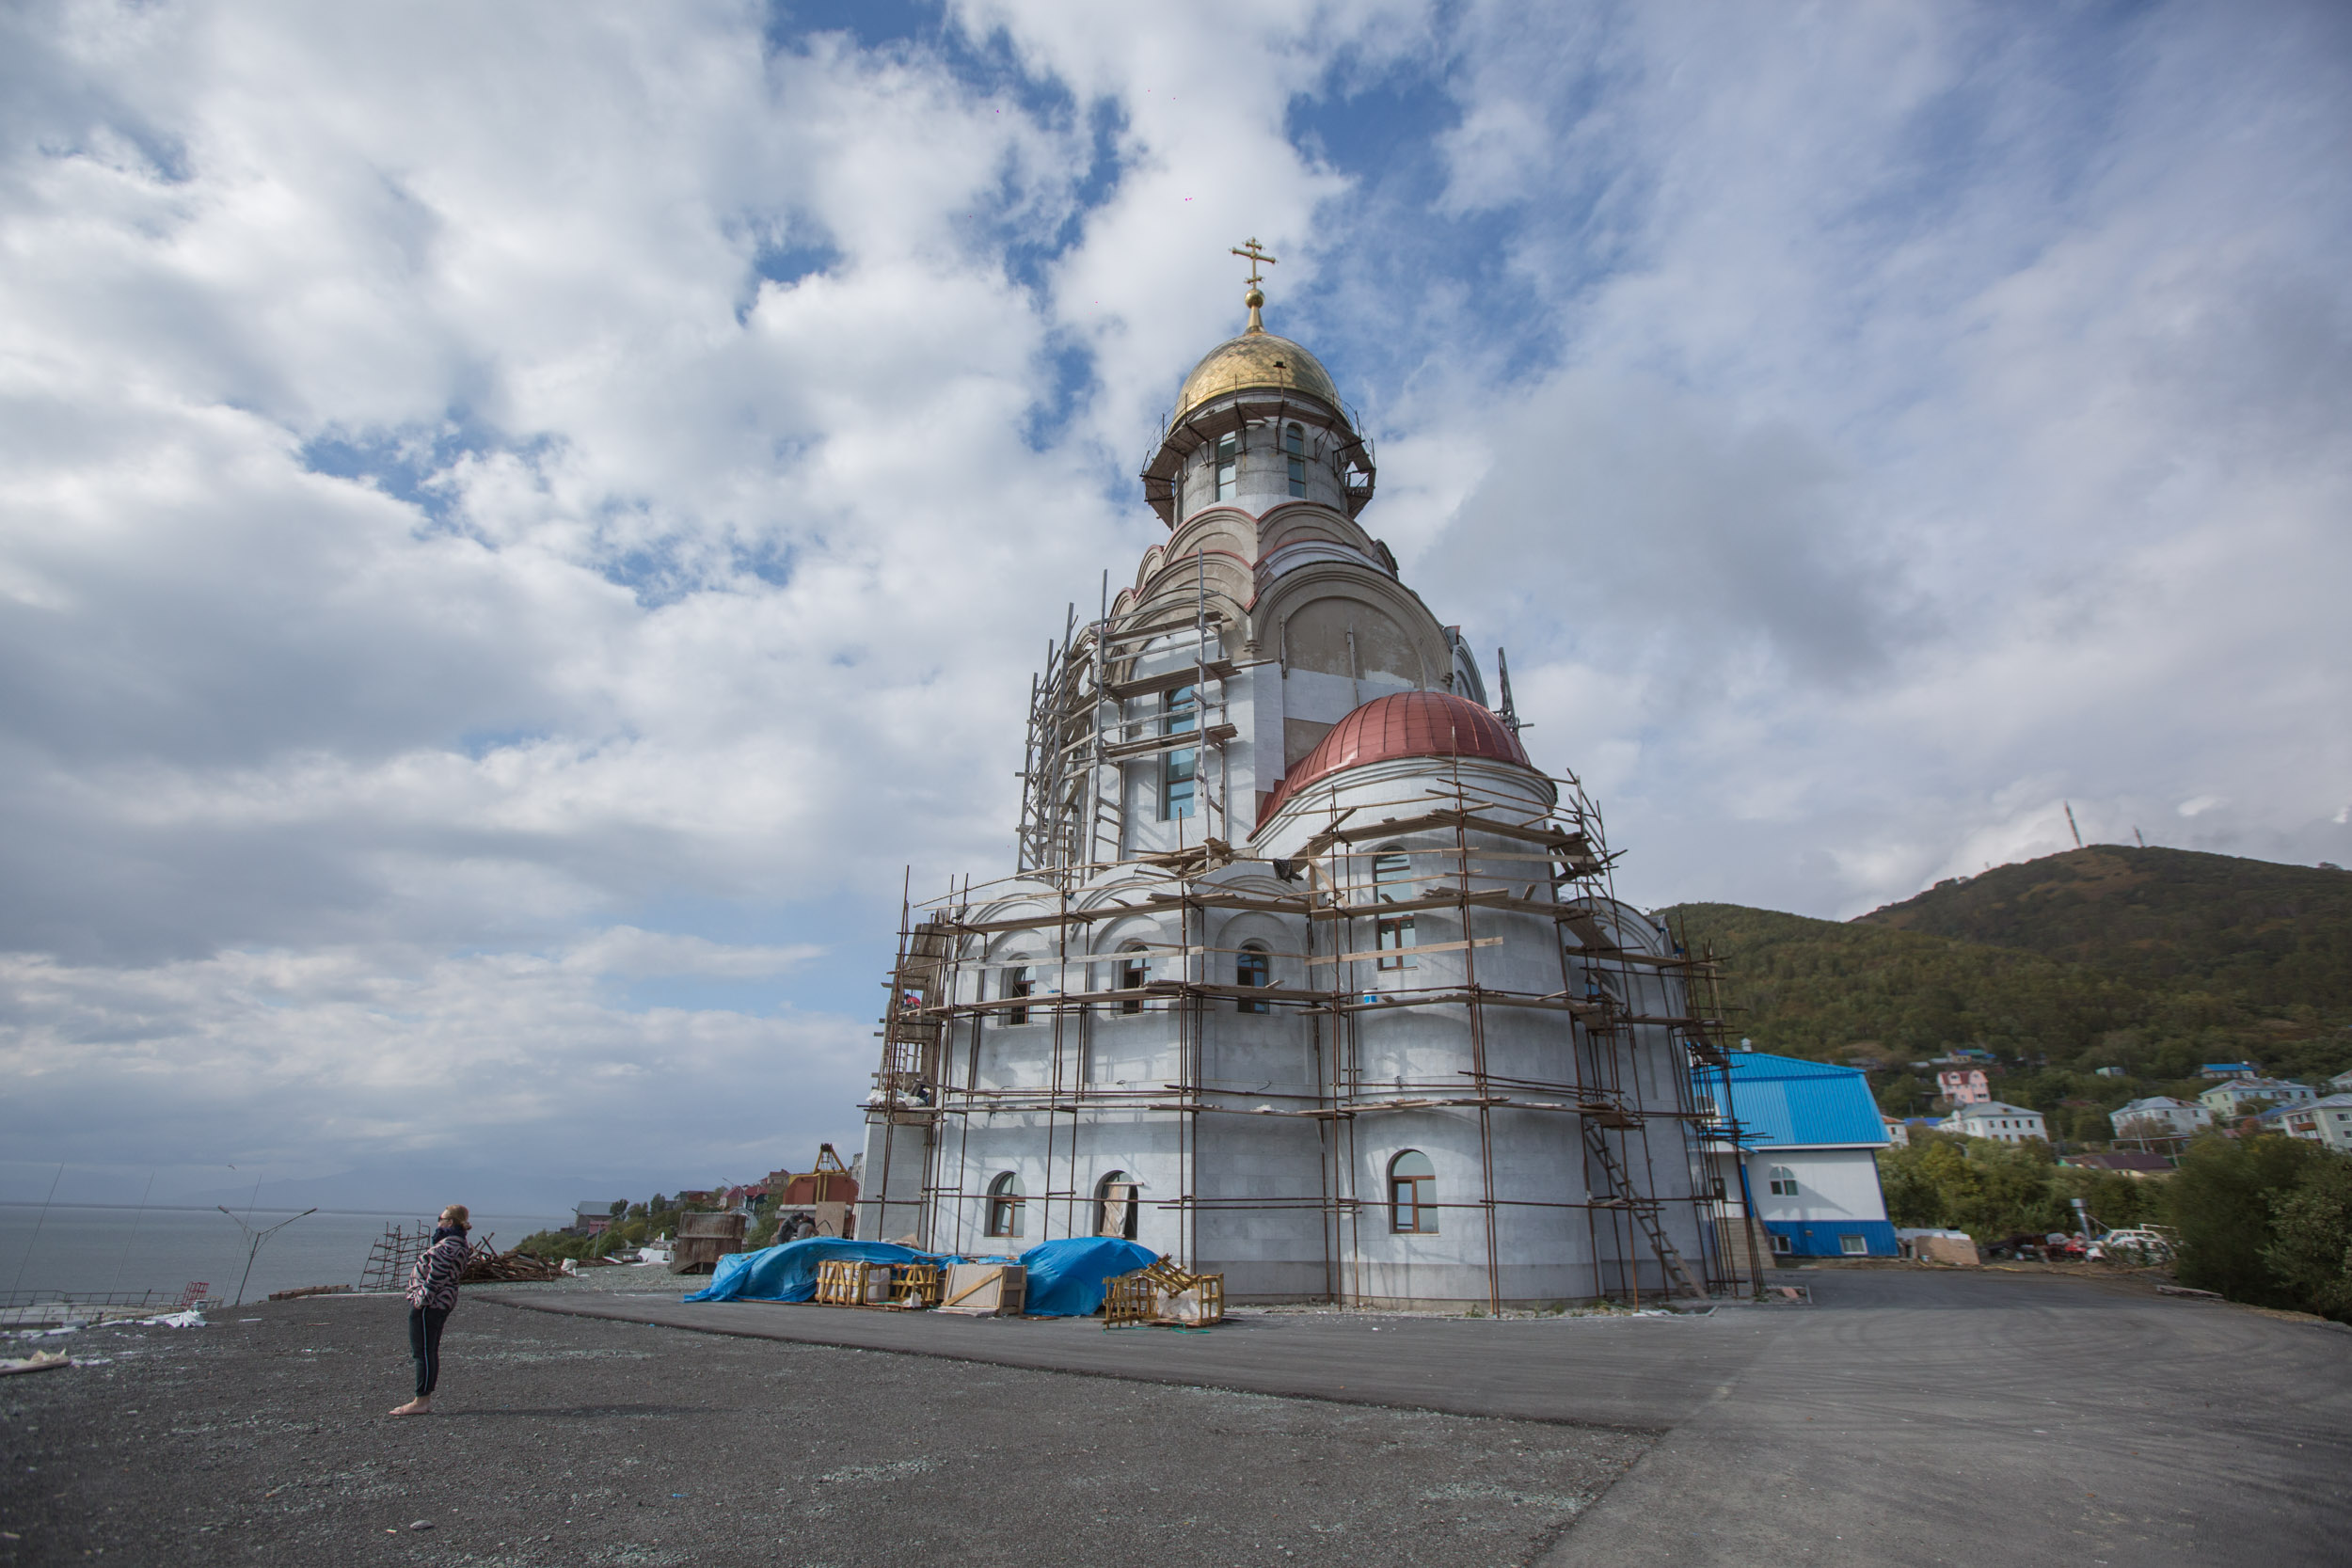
1809, 1136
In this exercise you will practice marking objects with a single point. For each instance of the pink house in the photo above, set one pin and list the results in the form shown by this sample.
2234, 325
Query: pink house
1964, 1086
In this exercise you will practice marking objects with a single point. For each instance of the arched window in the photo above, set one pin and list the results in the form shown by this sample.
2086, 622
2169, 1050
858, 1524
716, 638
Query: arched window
1253, 966
1135, 973
1783, 1181
1227, 466
1294, 447
1003, 1205
1180, 714
1115, 1206
1391, 880
1017, 984
1414, 1193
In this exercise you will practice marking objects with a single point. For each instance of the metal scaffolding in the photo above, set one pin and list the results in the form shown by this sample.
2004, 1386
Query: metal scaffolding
928, 1083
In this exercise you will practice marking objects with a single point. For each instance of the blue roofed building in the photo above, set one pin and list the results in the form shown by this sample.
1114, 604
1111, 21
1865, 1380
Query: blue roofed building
1808, 1140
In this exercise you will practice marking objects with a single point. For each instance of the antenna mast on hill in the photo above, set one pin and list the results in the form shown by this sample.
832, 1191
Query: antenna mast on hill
2069, 825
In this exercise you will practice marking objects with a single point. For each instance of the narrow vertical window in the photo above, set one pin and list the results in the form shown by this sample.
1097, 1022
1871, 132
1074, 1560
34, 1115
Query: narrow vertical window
1253, 966
1003, 1205
1391, 875
1017, 984
1135, 973
1294, 447
1178, 769
1227, 466
1414, 1193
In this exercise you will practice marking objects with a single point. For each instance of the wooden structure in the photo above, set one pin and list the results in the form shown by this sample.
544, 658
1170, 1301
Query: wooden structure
985, 1290
394, 1254
1161, 1294
703, 1239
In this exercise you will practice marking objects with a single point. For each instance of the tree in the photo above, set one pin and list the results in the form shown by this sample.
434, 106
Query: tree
2309, 1253
2220, 1202
1987, 1189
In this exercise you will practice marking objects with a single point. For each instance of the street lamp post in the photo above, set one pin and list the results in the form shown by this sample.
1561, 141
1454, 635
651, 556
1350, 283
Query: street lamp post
254, 1240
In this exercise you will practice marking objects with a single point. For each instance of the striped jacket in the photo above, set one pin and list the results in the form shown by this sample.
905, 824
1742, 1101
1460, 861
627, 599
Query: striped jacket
433, 1283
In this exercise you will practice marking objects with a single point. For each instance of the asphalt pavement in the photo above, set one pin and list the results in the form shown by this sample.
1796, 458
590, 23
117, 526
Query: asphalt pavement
1905, 1416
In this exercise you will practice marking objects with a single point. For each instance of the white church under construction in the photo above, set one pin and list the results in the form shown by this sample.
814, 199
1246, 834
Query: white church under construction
1307, 974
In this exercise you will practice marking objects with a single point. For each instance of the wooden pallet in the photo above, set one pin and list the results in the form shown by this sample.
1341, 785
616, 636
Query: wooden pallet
848, 1282
915, 1285
1161, 1295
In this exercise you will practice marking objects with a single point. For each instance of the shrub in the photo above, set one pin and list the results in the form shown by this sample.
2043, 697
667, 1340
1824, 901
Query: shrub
2310, 1252
2221, 1202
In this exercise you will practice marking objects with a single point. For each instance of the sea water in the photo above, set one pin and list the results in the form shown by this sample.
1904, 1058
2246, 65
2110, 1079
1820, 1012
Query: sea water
82, 1249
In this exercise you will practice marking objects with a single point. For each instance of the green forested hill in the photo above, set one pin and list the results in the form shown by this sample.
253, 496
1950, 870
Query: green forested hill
2150, 960
2273, 936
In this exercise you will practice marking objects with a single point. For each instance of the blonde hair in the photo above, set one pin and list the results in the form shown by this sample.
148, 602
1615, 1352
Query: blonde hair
457, 1213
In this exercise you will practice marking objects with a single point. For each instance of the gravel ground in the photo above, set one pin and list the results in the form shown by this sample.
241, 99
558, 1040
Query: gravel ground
263, 1438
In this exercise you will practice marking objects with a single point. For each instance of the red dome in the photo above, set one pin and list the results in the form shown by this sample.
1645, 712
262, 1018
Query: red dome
1403, 724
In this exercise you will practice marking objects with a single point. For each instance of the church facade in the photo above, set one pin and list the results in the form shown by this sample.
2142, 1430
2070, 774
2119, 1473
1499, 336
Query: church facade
1307, 974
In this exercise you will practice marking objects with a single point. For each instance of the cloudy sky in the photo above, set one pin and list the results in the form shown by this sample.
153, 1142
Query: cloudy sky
519, 524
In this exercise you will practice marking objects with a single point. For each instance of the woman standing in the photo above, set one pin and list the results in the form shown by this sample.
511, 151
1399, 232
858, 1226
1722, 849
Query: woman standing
431, 1293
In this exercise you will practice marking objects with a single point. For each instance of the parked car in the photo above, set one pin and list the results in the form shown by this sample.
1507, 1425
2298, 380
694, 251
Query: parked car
2140, 1246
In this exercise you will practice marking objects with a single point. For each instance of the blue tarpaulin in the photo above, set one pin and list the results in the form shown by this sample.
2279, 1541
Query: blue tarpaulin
788, 1272
1066, 1278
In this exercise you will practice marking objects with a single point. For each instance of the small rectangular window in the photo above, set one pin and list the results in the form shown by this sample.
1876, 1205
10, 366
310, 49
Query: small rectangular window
1781, 1245
1853, 1246
1298, 476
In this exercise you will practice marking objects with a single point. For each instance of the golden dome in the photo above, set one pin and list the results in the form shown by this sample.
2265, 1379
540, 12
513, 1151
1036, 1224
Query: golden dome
1256, 360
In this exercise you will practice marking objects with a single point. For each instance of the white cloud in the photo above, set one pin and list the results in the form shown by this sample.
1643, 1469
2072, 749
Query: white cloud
516, 527
405, 1065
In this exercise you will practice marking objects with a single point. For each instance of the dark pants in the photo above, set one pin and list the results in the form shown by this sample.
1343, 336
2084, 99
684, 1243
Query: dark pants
424, 1345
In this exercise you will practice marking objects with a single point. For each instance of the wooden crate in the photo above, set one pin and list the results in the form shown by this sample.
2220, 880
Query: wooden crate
985, 1290
915, 1285
703, 1239
848, 1282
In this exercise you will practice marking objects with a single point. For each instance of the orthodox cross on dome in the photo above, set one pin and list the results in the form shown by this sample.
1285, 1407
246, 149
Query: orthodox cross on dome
1251, 251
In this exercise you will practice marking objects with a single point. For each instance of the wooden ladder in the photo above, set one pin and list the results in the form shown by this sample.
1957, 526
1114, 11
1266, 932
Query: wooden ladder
1644, 1212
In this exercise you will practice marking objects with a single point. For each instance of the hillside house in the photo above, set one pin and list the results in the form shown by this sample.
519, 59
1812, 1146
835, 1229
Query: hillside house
1964, 1086
2001, 1122
593, 1219
2132, 1163
2325, 1121
2237, 1096
2158, 1116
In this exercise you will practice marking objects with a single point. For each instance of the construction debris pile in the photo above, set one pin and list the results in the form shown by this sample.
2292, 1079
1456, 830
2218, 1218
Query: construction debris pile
1160, 1295
1072, 1277
489, 1266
